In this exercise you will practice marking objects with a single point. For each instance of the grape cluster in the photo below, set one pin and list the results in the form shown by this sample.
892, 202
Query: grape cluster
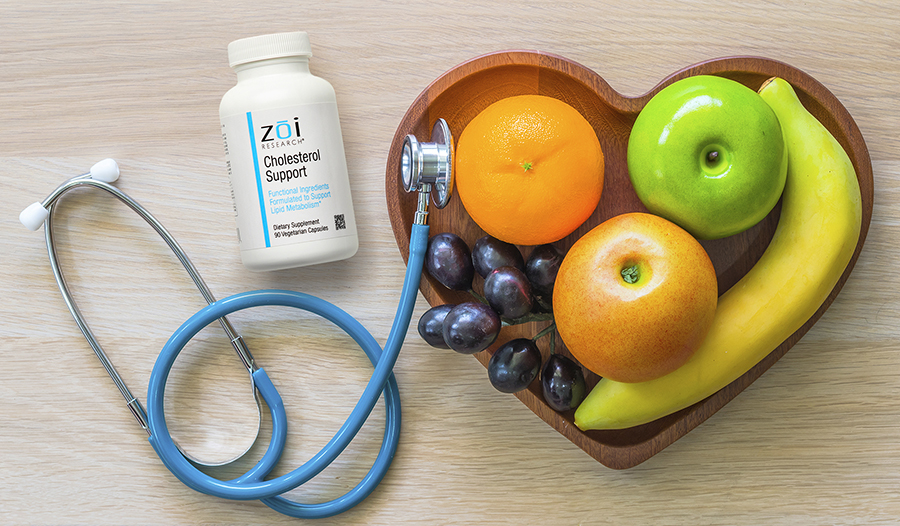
514, 291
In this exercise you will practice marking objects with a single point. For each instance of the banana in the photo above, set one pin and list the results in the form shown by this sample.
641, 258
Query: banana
816, 236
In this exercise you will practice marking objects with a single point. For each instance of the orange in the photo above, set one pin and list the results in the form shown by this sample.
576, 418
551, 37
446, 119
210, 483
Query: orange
529, 169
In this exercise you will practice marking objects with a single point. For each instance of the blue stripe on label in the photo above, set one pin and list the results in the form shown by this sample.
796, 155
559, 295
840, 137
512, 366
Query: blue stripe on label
259, 190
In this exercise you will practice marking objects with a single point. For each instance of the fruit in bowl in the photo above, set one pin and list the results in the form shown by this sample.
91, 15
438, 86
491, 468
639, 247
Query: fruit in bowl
795, 276
466, 89
635, 297
529, 169
708, 154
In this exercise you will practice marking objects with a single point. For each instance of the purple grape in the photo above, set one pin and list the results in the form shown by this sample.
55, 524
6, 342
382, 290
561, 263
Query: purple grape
562, 382
431, 326
541, 269
471, 327
490, 253
508, 292
514, 365
449, 261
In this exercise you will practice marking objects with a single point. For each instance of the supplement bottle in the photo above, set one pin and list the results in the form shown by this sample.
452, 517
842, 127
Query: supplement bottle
285, 157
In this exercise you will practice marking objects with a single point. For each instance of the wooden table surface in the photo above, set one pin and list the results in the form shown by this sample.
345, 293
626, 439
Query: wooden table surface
815, 441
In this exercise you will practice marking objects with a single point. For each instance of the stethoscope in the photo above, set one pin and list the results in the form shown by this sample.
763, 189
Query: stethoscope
425, 168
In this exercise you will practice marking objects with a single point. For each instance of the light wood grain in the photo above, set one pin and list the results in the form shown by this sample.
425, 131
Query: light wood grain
813, 441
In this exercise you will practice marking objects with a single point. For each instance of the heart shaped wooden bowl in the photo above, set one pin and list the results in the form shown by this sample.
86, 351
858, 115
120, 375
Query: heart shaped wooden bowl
461, 93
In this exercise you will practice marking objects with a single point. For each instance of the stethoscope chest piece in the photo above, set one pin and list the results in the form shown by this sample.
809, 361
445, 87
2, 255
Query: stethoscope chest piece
429, 163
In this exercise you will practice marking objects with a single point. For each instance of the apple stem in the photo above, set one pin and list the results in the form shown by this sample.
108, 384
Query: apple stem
712, 156
631, 274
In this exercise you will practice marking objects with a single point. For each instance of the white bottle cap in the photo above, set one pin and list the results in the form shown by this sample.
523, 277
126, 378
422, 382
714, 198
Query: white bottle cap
295, 44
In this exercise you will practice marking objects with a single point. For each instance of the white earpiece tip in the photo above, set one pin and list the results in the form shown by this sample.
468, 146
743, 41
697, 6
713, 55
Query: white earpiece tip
33, 216
106, 170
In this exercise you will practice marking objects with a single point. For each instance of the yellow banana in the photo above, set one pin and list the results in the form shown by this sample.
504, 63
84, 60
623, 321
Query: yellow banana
814, 241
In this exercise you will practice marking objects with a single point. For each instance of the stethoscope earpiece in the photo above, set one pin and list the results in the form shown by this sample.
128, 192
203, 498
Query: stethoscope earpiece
106, 170
35, 214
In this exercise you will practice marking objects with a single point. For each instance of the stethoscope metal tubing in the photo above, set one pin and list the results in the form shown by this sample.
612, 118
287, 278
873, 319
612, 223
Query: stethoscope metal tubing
83, 180
133, 404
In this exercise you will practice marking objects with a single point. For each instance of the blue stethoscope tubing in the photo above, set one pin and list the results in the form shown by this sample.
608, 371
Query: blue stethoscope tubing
252, 485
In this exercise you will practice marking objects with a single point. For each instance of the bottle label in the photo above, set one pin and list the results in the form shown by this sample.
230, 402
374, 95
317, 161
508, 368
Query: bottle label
288, 175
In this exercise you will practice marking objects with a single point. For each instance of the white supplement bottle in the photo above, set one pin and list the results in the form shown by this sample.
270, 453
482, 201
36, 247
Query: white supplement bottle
285, 157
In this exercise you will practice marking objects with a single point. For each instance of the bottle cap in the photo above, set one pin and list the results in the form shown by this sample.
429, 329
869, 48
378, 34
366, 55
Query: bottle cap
277, 45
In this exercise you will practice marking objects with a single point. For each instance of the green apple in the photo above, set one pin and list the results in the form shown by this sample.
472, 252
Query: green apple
708, 154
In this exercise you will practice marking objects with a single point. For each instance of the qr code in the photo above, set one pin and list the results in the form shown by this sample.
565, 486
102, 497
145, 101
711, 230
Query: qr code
339, 222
